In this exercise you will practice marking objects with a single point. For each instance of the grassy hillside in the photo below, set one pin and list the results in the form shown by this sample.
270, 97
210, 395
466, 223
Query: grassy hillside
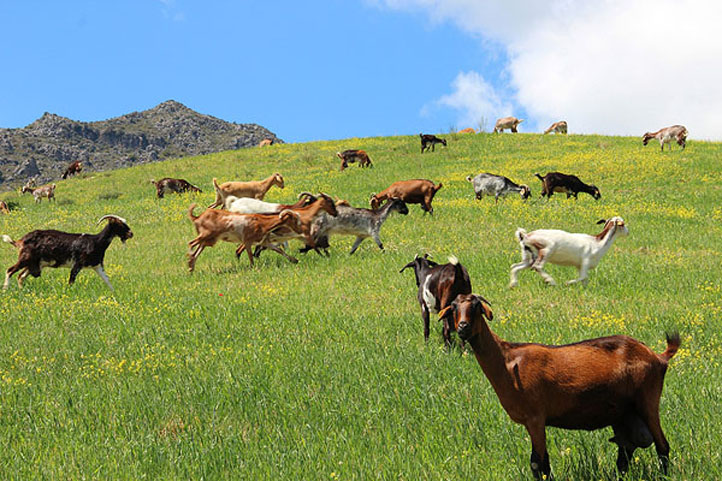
319, 370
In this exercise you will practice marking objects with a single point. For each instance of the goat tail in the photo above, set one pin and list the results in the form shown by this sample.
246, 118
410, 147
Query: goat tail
8, 239
540, 177
673, 343
190, 212
215, 185
520, 234
439, 186
453, 260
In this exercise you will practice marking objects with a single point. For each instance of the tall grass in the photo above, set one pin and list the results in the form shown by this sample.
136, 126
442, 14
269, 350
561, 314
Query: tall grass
319, 370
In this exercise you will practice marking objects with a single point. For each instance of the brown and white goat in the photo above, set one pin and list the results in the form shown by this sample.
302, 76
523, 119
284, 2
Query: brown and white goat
416, 191
507, 123
255, 189
265, 142
557, 127
173, 185
666, 135
244, 229
40, 192
354, 155
566, 184
609, 381
73, 169
4, 209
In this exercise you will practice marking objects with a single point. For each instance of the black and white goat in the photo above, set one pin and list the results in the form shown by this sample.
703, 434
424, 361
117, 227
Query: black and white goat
439, 284
362, 223
497, 185
53, 248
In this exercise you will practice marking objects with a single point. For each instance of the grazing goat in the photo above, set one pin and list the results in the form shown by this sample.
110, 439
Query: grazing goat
438, 287
244, 229
265, 142
173, 185
557, 127
566, 184
52, 248
40, 192
255, 189
417, 191
507, 123
73, 169
498, 186
609, 381
582, 251
362, 223
467, 130
352, 155
666, 135
430, 140
4, 209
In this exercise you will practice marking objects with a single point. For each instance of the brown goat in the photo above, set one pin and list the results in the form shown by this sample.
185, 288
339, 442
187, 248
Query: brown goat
169, 184
244, 229
557, 127
73, 169
265, 142
417, 191
467, 130
507, 123
255, 189
4, 209
353, 155
609, 381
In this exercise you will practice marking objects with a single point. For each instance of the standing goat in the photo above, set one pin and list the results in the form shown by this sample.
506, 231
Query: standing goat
609, 381
416, 191
353, 155
40, 192
52, 248
566, 184
430, 140
582, 251
498, 186
438, 286
666, 135
173, 185
557, 127
255, 189
507, 123
73, 169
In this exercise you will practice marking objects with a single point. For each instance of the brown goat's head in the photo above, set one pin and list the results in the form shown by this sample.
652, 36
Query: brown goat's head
278, 180
646, 138
374, 201
327, 204
467, 313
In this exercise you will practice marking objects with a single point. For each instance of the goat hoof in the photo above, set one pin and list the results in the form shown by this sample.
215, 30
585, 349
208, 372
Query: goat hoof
512, 285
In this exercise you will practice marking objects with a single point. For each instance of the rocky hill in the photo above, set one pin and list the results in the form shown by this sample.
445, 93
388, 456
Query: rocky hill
45, 147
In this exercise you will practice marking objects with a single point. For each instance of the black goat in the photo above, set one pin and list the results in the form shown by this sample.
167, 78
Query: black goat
173, 185
566, 184
439, 284
53, 248
432, 140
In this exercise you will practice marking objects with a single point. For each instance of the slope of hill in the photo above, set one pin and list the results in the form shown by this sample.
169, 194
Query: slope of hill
319, 370
45, 147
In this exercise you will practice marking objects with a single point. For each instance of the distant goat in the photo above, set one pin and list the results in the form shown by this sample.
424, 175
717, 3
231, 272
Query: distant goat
416, 191
507, 123
255, 188
47, 191
4, 209
73, 169
430, 140
557, 127
29, 186
666, 135
582, 251
498, 186
173, 185
467, 130
353, 155
52, 248
609, 381
265, 142
566, 184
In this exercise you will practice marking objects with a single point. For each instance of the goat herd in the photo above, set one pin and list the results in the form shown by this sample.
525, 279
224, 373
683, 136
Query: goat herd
611, 381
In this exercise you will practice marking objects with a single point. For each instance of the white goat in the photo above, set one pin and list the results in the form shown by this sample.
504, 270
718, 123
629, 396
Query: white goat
582, 251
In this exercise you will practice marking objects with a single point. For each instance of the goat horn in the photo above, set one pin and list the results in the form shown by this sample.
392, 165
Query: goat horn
112, 216
306, 193
280, 214
602, 221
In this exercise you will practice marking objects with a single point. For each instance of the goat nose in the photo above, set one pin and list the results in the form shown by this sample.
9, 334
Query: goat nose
463, 326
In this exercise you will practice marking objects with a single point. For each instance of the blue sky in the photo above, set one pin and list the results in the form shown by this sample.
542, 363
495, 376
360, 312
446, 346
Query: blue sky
306, 70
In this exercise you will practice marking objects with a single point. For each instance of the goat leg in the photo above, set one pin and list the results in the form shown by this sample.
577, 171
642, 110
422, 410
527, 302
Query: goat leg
74, 271
101, 272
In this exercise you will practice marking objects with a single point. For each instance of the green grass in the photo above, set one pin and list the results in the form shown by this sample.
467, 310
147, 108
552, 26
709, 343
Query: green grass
319, 370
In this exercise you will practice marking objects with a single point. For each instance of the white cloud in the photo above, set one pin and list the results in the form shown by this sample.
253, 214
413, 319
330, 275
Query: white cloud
475, 99
612, 66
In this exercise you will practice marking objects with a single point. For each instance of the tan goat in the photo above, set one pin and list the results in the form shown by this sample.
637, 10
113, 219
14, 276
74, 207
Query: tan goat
255, 189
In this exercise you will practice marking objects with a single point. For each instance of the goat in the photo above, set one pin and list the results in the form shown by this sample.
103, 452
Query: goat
438, 285
4, 208
582, 251
244, 229
557, 127
498, 186
666, 135
430, 140
352, 155
247, 205
265, 142
52, 248
40, 192
29, 186
507, 123
467, 130
173, 185
608, 381
416, 191
566, 184
255, 189
362, 223
73, 169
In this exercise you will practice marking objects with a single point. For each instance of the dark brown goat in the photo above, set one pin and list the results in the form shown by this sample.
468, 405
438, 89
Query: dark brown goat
609, 381
566, 184
353, 155
73, 169
416, 191
169, 184
438, 287
430, 140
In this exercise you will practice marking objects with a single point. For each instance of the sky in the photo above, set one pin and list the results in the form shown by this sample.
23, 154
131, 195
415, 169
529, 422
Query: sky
334, 69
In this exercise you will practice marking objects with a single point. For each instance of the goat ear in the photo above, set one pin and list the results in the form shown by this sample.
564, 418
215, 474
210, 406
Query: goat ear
445, 311
485, 307
601, 221
410, 264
